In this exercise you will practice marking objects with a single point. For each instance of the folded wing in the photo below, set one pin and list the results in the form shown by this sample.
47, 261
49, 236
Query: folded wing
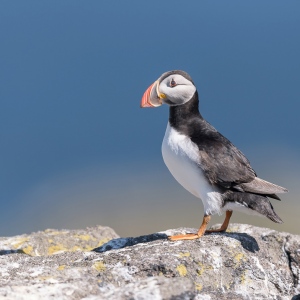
226, 166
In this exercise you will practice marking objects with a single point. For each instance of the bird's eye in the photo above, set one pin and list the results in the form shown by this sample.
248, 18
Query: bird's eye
173, 83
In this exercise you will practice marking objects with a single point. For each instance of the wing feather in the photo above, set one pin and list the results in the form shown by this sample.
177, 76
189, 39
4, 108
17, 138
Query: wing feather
225, 165
221, 161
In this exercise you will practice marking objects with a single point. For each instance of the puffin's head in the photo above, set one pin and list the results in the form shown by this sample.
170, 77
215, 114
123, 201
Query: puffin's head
172, 88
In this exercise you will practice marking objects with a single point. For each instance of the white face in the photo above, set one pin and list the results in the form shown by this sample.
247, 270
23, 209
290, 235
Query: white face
177, 89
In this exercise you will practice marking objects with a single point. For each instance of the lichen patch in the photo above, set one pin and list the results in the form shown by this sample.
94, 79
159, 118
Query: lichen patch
181, 269
184, 254
56, 249
28, 250
99, 266
198, 286
61, 268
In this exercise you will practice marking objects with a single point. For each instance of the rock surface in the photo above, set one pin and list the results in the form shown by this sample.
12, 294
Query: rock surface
53, 241
246, 262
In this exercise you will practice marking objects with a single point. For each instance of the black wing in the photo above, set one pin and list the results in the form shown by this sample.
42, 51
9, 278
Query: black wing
221, 161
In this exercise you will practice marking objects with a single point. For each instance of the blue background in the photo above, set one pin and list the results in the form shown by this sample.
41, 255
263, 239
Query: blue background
75, 148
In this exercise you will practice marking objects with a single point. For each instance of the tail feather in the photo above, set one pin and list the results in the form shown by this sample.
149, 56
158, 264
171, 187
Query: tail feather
262, 187
274, 196
258, 203
274, 217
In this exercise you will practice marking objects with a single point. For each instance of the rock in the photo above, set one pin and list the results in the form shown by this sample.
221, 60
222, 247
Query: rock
246, 262
52, 241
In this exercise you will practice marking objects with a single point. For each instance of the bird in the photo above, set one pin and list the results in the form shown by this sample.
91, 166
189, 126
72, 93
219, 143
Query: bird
205, 162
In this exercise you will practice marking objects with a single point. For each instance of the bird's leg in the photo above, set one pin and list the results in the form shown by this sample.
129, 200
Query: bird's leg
224, 225
192, 236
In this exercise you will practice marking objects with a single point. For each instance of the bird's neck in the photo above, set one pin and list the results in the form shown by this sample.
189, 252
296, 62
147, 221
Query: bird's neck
181, 113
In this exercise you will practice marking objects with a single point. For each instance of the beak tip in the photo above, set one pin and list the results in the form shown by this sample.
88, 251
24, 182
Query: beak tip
145, 102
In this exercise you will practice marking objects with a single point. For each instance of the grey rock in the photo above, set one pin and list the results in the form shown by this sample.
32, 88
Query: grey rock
246, 262
53, 241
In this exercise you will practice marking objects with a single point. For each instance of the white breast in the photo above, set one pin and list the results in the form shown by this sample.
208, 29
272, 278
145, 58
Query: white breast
181, 156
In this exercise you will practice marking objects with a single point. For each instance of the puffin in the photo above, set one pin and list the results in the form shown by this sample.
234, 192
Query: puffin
205, 162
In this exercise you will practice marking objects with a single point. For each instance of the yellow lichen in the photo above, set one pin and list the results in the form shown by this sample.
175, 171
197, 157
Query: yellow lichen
186, 254
181, 270
75, 248
56, 248
228, 285
54, 232
84, 237
200, 271
203, 268
99, 266
243, 278
62, 267
44, 278
198, 286
19, 242
28, 250
88, 248
232, 229
103, 241
238, 257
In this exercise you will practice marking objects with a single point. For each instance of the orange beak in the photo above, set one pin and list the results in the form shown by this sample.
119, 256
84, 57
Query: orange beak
151, 97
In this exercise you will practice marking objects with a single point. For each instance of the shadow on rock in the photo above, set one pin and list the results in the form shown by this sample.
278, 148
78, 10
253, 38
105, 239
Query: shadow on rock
6, 252
247, 241
131, 241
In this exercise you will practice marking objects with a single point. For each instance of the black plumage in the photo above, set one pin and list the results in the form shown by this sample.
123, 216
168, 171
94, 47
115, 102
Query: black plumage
205, 162
258, 203
223, 164
221, 161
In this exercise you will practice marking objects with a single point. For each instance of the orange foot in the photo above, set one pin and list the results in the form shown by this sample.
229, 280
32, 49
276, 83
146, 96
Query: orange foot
224, 225
192, 236
189, 236
202, 229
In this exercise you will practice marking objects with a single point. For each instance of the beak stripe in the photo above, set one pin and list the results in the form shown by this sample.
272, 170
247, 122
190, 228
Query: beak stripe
145, 102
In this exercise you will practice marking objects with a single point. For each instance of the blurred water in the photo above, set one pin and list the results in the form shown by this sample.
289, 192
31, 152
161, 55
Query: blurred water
142, 197
75, 148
